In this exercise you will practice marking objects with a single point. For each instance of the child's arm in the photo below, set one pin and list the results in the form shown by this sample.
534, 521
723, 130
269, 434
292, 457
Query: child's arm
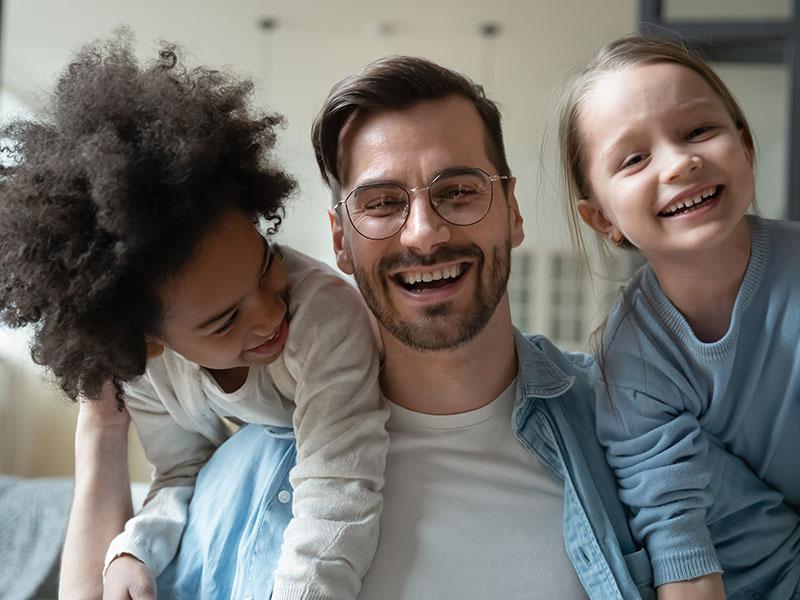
176, 454
648, 420
341, 443
707, 587
659, 454
102, 499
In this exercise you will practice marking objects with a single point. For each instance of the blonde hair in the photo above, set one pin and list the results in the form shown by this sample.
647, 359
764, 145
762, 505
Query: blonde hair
625, 52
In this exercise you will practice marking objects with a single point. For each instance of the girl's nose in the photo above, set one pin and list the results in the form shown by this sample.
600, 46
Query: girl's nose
680, 165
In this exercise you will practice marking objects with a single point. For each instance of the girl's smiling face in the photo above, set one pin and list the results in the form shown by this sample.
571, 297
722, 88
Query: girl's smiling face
666, 165
227, 307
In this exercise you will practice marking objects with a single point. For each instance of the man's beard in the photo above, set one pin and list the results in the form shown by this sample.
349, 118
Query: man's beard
442, 327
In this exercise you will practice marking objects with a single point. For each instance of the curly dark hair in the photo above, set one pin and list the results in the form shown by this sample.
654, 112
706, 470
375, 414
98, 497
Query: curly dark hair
109, 197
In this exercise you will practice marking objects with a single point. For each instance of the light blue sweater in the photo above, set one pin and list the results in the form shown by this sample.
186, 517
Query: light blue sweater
705, 437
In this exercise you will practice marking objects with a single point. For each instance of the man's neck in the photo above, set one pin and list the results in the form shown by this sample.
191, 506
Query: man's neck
452, 381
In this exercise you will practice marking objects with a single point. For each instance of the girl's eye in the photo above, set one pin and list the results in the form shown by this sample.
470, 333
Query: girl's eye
633, 159
699, 131
227, 324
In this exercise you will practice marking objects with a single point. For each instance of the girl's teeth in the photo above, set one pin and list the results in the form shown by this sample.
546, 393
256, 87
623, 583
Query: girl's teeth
689, 202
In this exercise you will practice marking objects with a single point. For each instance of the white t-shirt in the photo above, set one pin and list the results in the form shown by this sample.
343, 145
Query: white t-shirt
468, 512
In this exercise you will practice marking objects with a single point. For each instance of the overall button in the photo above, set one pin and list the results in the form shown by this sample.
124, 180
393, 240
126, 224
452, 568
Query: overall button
284, 496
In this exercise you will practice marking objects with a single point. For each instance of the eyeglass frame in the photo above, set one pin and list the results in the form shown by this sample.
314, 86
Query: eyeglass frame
427, 188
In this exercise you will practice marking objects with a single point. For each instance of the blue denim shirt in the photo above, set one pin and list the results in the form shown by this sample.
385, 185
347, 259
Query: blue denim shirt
242, 501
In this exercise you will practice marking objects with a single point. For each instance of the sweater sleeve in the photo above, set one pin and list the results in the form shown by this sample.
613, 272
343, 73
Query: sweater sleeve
176, 455
648, 424
342, 444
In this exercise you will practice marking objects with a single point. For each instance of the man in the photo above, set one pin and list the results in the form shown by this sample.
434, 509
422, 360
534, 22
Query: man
495, 485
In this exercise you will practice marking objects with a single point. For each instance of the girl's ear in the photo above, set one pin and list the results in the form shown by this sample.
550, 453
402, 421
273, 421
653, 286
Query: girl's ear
154, 348
594, 217
748, 146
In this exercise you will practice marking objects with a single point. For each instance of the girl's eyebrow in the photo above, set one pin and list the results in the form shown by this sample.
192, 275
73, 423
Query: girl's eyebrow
266, 261
619, 142
626, 136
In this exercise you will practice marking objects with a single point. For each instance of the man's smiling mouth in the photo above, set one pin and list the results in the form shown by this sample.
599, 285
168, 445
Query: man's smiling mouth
421, 280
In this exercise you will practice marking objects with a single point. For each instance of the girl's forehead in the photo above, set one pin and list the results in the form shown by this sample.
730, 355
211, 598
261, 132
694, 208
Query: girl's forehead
657, 85
644, 95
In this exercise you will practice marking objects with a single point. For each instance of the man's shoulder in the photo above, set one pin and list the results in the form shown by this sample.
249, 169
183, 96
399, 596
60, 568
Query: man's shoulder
558, 381
571, 364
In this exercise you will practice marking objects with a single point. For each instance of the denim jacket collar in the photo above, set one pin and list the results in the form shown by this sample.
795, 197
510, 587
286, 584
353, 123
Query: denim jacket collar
538, 376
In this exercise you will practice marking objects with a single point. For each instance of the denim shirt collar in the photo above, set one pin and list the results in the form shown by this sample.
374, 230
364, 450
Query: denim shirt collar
537, 375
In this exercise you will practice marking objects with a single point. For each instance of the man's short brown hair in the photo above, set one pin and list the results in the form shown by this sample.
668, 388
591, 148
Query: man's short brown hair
396, 83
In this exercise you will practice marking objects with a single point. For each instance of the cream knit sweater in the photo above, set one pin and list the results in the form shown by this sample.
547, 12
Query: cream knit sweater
325, 385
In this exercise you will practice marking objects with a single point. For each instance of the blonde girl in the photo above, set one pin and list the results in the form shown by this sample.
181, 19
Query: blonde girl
699, 391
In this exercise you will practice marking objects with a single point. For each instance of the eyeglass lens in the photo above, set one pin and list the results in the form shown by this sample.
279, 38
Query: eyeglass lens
380, 210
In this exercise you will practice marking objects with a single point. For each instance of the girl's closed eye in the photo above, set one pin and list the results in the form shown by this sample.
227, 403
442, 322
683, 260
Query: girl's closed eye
700, 132
227, 324
633, 160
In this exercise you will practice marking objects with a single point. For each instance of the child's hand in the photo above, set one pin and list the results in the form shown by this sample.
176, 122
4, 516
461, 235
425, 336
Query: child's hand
128, 578
707, 587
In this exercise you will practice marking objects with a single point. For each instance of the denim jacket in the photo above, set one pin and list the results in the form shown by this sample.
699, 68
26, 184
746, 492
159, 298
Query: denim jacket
242, 506
554, 418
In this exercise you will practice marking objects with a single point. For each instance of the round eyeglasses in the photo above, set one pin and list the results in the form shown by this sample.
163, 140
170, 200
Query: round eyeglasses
460, 196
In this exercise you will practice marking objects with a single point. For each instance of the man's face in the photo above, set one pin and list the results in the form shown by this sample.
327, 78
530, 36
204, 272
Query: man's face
433, 285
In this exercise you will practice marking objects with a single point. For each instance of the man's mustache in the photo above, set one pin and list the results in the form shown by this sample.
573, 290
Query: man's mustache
408, 259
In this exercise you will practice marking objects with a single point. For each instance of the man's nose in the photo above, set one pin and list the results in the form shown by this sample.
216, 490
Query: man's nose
679, 164
424, 229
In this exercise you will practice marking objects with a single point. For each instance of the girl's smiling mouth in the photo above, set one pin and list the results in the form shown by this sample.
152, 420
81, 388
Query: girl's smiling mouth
693, 202
275, 342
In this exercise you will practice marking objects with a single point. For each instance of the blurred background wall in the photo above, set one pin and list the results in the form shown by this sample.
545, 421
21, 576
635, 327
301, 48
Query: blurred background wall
520, 50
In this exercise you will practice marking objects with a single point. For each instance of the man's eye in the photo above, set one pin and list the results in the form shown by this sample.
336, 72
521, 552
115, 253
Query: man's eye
456, 192
383, 207
227, 324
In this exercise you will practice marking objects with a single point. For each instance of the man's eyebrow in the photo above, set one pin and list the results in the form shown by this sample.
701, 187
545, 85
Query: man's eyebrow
380, 181
217, 317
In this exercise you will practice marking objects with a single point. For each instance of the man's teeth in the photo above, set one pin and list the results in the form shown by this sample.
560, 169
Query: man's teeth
689, 202
412, 277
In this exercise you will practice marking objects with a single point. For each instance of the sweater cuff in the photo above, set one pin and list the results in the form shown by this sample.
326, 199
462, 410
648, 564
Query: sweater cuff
123, 545
300, 592
685, 565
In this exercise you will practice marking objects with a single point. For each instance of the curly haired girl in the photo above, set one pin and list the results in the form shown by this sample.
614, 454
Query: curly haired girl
130, 241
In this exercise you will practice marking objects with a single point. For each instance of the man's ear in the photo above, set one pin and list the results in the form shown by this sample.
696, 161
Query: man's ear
154, 348
594, 217
340, 251
515, 220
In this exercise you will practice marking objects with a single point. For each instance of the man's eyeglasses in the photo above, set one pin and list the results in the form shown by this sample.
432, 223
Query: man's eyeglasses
460, 196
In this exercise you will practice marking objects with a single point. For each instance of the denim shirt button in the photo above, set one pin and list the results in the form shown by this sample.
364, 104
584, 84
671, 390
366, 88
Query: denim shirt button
284, 496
